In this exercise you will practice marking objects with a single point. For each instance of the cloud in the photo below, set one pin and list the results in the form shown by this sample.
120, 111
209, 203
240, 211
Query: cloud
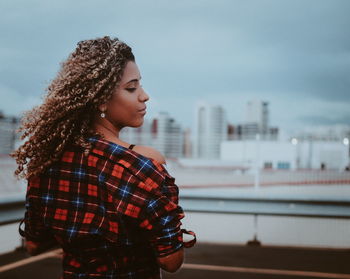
13, 103
286, 52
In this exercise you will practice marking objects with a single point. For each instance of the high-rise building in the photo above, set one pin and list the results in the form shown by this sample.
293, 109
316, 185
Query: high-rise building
187, 144
163, 133
169, 137
256, 122
257, 112
139, 136
8, 135
209, 131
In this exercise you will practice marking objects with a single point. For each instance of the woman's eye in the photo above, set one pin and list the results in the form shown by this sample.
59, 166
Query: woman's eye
131, 89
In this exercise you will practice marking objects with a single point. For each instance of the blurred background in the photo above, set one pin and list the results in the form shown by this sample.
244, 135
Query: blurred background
249, 103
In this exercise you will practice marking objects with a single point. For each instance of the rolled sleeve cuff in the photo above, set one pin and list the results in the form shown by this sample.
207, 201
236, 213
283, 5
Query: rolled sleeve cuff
170, 241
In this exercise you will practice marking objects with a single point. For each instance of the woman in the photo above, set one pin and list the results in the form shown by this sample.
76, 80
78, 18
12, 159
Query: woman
112, 206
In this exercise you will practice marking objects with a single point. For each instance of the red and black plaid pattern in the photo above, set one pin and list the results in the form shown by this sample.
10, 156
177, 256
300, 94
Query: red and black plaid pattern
113, 212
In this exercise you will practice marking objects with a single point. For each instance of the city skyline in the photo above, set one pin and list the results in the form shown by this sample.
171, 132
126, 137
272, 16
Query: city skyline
292, 54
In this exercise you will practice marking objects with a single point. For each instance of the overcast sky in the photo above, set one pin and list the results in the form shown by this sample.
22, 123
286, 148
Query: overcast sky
293, 54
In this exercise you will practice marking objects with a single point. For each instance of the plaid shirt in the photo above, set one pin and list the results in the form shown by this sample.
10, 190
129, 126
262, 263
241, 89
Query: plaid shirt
113, 212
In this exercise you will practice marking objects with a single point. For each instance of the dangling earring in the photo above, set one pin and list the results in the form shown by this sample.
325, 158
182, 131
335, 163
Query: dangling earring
103, 114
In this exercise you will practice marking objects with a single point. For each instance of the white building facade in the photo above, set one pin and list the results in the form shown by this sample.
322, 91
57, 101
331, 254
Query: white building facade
169, 139
138, 136
162, 132
210, 129
8, 137
257, 112
288, 154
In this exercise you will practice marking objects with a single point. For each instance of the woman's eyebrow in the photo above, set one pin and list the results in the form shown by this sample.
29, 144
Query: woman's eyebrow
135, 79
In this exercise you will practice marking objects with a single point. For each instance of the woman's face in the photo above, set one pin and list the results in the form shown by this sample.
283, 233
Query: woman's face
128, 100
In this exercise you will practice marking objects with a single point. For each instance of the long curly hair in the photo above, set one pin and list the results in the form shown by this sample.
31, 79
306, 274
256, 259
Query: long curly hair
85, 80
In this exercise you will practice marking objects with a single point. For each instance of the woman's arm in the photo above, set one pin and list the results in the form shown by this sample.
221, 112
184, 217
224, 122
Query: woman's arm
32, 247
151, 201
35, 248
38, 237
171, 263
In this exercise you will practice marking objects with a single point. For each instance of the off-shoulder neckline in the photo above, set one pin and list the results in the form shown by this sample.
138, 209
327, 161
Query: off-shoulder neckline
154, 161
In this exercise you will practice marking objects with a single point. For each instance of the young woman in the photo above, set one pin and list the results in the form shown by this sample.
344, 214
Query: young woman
112, 206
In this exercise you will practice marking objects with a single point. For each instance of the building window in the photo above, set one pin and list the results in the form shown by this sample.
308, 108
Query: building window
267, 165
283, 165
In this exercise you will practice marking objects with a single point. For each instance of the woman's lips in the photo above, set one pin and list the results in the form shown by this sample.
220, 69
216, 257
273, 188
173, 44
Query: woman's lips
142, 111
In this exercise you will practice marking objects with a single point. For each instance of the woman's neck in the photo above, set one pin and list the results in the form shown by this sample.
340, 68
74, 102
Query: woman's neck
110, 132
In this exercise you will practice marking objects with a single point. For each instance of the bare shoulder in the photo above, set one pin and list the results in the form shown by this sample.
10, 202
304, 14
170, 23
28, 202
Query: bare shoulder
150, 152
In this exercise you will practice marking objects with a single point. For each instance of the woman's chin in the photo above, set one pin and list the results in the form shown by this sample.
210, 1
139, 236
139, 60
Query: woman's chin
137, 124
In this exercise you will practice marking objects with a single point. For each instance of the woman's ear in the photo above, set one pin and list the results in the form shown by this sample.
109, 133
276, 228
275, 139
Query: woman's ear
102, 107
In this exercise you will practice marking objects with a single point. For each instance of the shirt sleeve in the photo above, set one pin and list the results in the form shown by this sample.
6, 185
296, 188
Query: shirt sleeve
153, 205
34, 228
162, 218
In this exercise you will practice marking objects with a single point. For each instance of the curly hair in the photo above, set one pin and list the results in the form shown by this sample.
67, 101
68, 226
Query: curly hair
85, 80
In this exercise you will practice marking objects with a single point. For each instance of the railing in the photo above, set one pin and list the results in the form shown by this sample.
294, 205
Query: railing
11, 209
257, 205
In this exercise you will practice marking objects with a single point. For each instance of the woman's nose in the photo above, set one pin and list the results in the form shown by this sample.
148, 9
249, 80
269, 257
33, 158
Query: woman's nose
144, 95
